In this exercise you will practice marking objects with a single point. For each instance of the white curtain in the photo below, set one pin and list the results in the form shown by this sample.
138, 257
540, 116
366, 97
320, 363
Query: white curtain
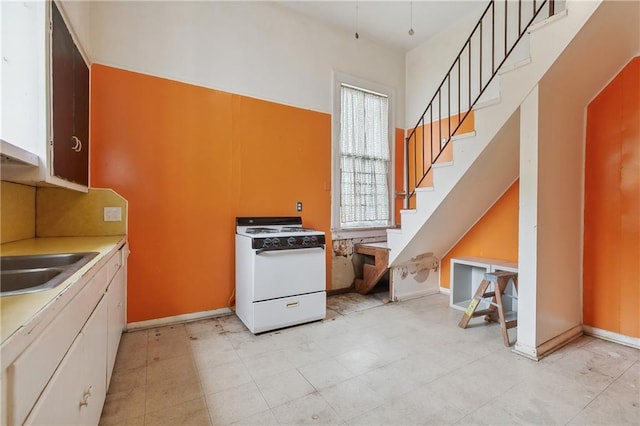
364, 159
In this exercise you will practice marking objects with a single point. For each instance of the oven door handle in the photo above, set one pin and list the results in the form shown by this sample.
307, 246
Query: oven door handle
265, 249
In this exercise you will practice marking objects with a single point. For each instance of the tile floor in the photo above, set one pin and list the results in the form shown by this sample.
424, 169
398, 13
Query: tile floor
366, 364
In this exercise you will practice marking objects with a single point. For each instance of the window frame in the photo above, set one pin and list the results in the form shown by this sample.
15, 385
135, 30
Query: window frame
340, 78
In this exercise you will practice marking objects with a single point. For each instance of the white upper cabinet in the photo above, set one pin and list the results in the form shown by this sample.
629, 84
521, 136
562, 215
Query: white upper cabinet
33, 88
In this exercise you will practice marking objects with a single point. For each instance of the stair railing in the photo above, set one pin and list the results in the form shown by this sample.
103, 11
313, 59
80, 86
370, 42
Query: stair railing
467, 79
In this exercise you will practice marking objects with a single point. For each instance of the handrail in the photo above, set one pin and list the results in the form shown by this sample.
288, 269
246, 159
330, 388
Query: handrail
415, 179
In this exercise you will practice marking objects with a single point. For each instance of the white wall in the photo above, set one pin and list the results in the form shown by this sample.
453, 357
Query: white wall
428, 63
258, 49
559, 226
77, 15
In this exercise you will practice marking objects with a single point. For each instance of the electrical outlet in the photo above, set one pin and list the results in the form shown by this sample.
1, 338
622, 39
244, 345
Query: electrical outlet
113, 214
299, 206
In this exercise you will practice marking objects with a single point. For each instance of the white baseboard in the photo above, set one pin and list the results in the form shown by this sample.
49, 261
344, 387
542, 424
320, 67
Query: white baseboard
633, 342
416, 294
178, 319
550, 345
445, 290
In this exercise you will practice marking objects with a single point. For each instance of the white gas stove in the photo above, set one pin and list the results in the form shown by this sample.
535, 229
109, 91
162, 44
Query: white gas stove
280, 273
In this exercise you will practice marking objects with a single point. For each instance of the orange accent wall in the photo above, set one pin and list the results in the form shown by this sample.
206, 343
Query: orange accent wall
494, 236
611, 292
424, 145
189, 160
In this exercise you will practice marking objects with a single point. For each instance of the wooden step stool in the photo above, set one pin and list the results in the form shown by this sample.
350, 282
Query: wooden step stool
494, 298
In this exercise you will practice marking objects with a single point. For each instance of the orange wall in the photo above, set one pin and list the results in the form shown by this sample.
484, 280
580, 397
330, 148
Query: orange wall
189, 160
494, 236
611, 293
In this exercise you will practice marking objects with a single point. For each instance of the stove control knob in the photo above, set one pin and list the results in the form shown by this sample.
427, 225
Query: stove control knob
291, 241
275, 242
314, 240
266, 242
306, 241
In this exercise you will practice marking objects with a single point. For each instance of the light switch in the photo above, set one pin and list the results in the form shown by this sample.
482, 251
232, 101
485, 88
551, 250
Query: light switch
113, 214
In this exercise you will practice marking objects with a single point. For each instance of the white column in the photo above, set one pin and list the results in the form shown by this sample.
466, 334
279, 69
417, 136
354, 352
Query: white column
527, 227
550, 219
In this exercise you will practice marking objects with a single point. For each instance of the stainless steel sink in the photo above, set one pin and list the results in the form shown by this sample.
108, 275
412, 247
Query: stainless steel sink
42, 260
30, 274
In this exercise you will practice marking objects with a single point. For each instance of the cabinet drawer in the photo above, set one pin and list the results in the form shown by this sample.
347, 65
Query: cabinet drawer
114, 264
31, 371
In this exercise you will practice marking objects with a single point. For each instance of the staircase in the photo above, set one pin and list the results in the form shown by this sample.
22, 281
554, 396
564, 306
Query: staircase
453, 178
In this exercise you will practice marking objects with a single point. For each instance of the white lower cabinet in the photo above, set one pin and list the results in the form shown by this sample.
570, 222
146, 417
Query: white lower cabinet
76, 392
62, 376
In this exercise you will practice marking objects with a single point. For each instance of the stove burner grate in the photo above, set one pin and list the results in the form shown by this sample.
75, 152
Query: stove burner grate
295, 229
261, 230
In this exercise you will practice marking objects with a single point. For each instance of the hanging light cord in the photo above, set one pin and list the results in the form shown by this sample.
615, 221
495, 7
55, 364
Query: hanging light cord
411, 32
357, 35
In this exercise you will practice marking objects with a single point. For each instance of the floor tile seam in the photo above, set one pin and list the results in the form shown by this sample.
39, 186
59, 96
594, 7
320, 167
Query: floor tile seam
269, 407
200, 370
182, 352
173, 380
409, 388
561, 372
175, 405
306, 379
326, 387
489, 401
346, 420
235, 386
601, 392
594, 352
202, 393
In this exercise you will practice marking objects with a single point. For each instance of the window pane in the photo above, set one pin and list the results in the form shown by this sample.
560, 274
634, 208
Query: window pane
364, 158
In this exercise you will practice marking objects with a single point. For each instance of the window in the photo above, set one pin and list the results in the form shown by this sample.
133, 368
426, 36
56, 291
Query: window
362, 158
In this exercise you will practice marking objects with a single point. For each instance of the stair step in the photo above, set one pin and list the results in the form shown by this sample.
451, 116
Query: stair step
558, 15
487, 103
425, 189
462, 136
514, 66
443, 164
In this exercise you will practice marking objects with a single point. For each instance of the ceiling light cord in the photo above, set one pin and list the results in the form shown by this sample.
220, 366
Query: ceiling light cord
411, 32
357, 35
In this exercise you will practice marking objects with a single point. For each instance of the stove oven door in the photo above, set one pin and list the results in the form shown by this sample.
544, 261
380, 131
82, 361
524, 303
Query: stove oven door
282, 273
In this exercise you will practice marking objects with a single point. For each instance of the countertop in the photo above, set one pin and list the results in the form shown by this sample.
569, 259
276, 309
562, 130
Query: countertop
19, 311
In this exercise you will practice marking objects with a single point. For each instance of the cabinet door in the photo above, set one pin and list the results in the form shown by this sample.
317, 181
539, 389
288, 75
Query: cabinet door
116, 317
75, 395
70, 82
81, 118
